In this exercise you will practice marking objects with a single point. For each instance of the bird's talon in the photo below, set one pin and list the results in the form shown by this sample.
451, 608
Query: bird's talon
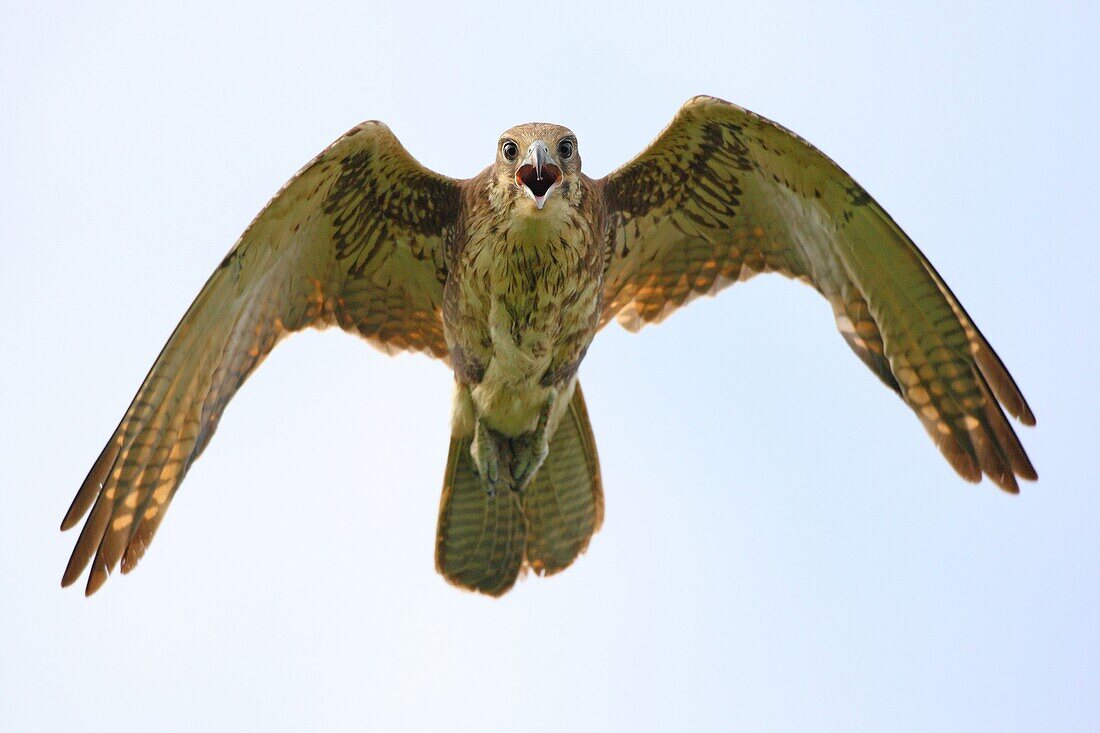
486, 457
525, 469
529, 460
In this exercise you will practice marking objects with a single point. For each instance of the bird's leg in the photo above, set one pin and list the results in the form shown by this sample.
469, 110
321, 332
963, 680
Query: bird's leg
485, 450
529, 457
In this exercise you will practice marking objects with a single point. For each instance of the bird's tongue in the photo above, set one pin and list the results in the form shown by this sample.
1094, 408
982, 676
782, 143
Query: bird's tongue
528, 176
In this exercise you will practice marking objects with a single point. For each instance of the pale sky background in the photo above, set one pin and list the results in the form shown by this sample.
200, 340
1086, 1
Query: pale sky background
784, 547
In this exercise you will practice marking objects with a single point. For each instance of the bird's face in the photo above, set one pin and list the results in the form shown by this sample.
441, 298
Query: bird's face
537, 164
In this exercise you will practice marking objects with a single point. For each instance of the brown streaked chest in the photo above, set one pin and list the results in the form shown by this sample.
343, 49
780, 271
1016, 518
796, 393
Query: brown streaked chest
524, 290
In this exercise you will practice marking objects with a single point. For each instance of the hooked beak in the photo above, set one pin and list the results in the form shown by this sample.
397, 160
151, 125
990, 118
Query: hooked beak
538, 174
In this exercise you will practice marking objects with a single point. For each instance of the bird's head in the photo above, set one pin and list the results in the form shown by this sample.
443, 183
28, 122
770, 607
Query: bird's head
536, 164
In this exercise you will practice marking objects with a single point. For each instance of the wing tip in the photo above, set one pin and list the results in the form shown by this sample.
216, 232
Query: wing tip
1009, 480
96, 579
78, 561
68, 579
1026, 416
1007, 483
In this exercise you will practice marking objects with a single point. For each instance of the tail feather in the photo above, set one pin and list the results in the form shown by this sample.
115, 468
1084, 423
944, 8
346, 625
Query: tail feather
564, 504
485, 542
480, 539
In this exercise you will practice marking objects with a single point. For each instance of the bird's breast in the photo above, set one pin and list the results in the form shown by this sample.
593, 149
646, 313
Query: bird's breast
526, 297
531, 270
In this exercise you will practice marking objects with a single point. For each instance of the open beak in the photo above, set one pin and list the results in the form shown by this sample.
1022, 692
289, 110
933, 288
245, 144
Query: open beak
538, 174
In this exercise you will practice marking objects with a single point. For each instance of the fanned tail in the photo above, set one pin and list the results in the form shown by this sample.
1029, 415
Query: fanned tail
484, 542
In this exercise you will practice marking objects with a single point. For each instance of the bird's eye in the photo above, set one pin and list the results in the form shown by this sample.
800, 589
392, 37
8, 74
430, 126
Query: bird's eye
509, 149
565, 149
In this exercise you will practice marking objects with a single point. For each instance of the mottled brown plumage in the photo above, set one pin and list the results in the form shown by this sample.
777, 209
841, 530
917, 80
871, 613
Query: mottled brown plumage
509, 275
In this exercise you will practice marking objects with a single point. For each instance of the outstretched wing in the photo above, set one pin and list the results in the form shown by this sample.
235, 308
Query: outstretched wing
723, 194
356, 238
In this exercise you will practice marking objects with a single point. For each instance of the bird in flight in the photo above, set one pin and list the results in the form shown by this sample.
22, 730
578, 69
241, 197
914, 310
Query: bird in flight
507, 277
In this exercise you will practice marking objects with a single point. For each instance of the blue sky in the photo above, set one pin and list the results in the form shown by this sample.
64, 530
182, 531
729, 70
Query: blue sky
784, 548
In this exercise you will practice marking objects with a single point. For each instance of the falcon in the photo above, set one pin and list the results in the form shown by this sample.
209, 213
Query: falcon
507, 277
